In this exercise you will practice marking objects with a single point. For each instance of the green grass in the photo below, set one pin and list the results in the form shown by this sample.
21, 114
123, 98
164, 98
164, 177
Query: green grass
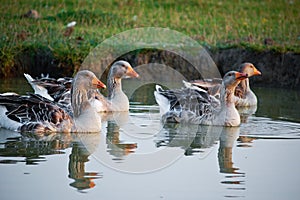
218, 24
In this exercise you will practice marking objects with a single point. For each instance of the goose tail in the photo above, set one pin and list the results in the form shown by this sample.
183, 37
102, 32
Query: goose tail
37, 88
162, 101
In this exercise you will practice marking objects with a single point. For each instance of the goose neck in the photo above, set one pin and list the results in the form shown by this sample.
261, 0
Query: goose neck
79, 101
114, 86
227, 96
245, 85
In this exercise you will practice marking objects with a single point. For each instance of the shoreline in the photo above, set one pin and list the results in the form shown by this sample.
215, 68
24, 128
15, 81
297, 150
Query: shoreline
278, 69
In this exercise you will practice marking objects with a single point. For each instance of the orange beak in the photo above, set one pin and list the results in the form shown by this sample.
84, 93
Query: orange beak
131, 73
256, 72
98, 84
240, 76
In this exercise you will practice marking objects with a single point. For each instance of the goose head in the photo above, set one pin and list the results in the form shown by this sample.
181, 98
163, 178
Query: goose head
122, 69
244, 86
83, 83
249, 69
85, 80
230, 82
232, 79
119, 70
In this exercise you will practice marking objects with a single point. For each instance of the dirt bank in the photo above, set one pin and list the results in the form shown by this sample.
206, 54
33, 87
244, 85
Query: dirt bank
278, 69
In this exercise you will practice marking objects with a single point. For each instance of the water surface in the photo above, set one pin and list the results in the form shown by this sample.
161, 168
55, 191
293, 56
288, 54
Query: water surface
135, 157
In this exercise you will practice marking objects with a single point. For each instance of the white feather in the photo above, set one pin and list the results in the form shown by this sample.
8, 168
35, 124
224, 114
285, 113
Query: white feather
163, 102
38, 89
192, 86
8, 93
6, 122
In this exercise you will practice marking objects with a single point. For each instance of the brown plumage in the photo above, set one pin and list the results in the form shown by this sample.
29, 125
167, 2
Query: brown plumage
34, 113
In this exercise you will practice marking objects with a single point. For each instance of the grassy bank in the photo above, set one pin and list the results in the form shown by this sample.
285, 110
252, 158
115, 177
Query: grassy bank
258, 25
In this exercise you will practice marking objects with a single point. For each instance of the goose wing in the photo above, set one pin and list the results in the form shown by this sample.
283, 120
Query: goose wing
32, 110
186, 104
50, 88
212, 86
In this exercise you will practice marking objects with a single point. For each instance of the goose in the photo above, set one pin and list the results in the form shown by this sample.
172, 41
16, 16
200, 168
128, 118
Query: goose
244, 96
36, 114
197, 106
59, 90
117, 99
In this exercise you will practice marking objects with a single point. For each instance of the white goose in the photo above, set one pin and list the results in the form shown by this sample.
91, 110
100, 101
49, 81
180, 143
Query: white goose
197, 106
116, 99
33, 113
58, 90
244, 96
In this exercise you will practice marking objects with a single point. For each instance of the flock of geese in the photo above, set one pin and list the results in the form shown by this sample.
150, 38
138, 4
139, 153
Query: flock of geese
73, 104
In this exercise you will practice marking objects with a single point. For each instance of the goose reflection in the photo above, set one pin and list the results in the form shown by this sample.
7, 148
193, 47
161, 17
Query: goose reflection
190, 137
32, 148
227, 139
198, 140
234, 178
116, 147
83, 146
245, 113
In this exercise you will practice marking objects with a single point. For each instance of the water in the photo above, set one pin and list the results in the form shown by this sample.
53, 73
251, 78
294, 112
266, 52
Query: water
134, 157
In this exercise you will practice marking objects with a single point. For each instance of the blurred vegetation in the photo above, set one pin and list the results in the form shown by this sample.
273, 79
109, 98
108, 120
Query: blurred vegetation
255, 24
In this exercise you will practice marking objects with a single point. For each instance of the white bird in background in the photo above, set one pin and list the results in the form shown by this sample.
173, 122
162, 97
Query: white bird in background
69, 29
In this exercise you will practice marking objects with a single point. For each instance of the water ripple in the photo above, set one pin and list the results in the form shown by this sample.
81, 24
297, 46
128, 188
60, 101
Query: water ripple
266, 128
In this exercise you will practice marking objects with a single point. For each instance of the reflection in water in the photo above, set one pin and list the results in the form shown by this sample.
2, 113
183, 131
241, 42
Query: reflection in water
77, 159
245, 141
206, 137
192, 138
234, 179
115, 146
176, 135
199, 139
276, 103
84, 144
29, 147
265, 128
32, 149
246, 112
227, 139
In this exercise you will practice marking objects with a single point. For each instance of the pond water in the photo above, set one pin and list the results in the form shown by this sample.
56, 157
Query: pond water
135, 157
